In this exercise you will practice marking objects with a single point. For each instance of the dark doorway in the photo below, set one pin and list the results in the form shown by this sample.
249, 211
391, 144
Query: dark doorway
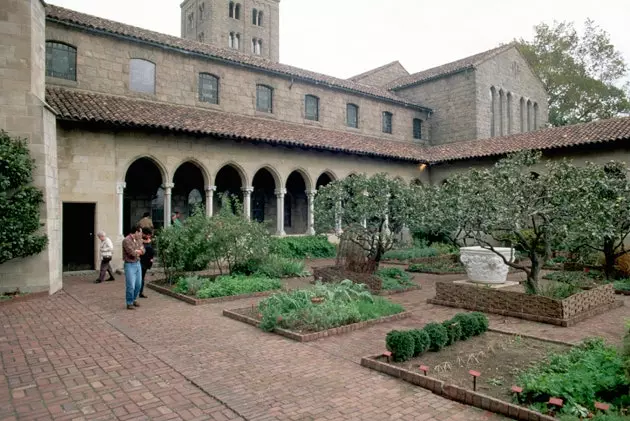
78, 236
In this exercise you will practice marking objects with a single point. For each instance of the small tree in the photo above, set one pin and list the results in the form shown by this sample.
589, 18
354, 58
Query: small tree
19, 202
368, 209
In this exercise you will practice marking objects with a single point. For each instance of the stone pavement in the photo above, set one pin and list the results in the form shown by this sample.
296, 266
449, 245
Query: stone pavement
79, 355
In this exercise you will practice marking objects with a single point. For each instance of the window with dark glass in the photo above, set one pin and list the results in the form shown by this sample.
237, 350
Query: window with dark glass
352, 115
387, 122
417, 128
311, 107
254, 17
260, 18
237, 11
264, 98
208, 88
142, 76
61, 60
231, 9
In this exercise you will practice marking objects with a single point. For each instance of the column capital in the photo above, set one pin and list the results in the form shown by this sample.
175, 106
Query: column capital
120, 187
311, 193
168, 187
211, 188
280, 192
248, 190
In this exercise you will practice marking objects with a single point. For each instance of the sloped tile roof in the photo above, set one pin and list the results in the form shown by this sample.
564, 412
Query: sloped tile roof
447, 69
378, 69
89, 22
601, 131
119, 111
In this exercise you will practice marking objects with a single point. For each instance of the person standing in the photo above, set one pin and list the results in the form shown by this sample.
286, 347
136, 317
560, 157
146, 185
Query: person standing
175, 219
146, 260
132, 251
146, 221
106, 251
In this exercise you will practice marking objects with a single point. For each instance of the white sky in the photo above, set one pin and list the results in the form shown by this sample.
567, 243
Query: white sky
346, 37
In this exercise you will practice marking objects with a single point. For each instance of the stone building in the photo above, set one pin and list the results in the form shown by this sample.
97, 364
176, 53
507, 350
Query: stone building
123, 121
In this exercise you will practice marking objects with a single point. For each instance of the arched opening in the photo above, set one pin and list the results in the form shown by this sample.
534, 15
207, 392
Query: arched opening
188, 191
143, 193
264, 203
237, 11
493, 109
296, 205
229, 183
323, 180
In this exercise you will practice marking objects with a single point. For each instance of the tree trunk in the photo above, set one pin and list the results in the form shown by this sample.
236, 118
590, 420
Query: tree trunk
533, 275
609, 254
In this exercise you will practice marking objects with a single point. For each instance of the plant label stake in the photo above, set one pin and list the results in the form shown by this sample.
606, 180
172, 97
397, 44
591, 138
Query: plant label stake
602, 406
556, 403
517, 391
474, 375
424, 369
388, 355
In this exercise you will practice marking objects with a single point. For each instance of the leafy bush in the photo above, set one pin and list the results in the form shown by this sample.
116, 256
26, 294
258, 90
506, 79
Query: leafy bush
445, 248
590, 372
310, 247
224, 286
342, 304
454, 330
422, 341
438, 336
402, 344
394, 279
482, 322
272, 266
412, 253
190, 285
437, 266
622, 285
557, 290
469, 324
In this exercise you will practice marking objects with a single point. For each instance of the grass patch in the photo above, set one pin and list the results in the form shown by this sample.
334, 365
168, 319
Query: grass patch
394, 279
438, 266
323, 307
225, 286
420, 251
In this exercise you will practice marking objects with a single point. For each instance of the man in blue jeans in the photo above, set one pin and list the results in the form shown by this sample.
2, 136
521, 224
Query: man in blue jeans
132, 250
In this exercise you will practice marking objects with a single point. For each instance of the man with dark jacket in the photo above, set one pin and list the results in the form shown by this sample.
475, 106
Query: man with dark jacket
146, 260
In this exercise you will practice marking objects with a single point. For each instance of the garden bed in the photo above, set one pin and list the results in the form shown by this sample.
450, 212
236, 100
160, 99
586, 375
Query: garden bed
498, 357
566, 312
249, 316
336, 274
443, 266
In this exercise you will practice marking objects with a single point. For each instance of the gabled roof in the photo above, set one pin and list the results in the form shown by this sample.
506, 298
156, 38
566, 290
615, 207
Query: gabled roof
378, 69
81, 106
602, 131
448, 68
100, 25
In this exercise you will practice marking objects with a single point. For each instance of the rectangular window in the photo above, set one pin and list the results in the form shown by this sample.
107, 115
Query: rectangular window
417, 128
352, 115
387, 122
142, 76
311, 107
264, 98
208, 88
61, 61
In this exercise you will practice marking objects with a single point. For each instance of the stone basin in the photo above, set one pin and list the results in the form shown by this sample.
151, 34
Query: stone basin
484, 266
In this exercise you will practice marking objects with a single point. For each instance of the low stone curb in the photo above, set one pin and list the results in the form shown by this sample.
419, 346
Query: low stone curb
25, 297
621, 292
437, 273
386, 292
525, 335
309, 337
455, 393
201, 301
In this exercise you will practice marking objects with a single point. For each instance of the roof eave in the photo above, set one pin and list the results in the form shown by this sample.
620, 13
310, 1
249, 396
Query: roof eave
430, 79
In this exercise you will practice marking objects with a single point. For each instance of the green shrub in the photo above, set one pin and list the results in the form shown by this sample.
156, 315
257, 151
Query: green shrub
482, 322
622, 285
394, 279
438, 336
454, 330
190, 285
556, 290
421, 341
445, 248
412, 253
401, 344
309, 247
469, 324
224, 286
272, 266
438, 266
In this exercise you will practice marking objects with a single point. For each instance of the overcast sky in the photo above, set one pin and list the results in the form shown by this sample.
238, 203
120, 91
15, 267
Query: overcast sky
346, 37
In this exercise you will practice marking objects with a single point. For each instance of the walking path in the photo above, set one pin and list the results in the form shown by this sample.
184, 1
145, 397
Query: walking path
79, 355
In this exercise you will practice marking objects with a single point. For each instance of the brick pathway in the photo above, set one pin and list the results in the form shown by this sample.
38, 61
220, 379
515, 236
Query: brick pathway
80, 355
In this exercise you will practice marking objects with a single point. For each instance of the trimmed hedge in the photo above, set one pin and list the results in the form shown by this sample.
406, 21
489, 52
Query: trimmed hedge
422, 341
469, 324
454, 330
438, 335
401, 344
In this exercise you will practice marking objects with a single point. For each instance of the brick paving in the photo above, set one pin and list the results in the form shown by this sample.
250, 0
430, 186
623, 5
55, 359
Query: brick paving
79, 355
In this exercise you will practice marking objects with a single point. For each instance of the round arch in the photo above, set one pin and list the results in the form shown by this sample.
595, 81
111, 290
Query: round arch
241, 172
143, 194
274, 173
308, 182
161, 167
204, 171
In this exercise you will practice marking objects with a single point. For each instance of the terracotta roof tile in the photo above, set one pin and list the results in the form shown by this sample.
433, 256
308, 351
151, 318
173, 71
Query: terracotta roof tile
60, 14
557, 137
378, 69
130, 112
447, 69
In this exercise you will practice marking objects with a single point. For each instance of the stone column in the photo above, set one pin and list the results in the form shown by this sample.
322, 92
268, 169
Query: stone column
168, 190
310, 194
120, 189
338, 229
280, 212
210, 200
247, 202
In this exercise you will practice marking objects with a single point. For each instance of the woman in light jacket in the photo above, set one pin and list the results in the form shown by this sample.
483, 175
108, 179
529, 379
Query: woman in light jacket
106, 249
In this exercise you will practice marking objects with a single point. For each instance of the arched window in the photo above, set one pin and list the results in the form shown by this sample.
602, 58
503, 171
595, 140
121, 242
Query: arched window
509, 113
231, 9
254, 44
237, 41
522, 111
311, 107
195, 200
191, 22
417, 128
254, 17
202, 11
352, 115
61, 60
208, 88
260, 18
493, 108
142, 76
237, 11
535, 116
501, 112
201, 37
264, 98
387, 122
259, 47
231, 40
529, 115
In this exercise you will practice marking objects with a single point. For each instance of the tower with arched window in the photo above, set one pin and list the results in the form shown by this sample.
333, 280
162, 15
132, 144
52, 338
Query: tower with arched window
218, 22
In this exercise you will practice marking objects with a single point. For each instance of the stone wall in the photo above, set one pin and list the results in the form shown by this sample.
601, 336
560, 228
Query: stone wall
382, 76
103, 66
452, 99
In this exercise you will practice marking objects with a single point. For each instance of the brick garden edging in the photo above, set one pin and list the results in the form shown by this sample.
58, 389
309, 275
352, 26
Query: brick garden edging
386, 292
563, 313
201, 301
308, 337
453, 392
